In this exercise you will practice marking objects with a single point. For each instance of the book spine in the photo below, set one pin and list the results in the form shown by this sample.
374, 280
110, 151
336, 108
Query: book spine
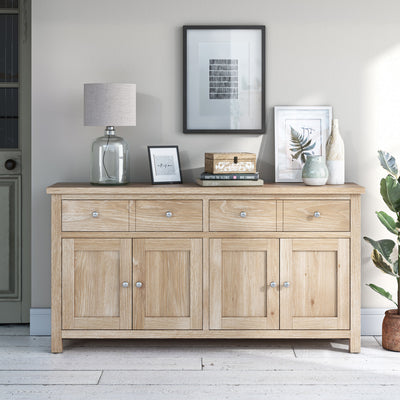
230, 177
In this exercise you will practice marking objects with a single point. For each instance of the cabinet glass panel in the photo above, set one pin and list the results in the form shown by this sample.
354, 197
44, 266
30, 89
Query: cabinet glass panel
8, 118
8, 48
8, 3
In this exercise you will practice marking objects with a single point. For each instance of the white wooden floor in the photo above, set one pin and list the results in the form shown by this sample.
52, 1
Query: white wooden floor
198, 369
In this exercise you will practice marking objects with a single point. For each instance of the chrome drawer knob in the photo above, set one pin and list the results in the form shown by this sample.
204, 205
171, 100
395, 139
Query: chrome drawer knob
317, 214
139, 284
272, 284
243, 214
95, 214
286, 284
168, 214
125, 284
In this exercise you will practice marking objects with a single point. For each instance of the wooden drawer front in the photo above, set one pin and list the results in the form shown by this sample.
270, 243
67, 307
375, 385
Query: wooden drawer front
95, 215
316, 215
169, 215
242, 215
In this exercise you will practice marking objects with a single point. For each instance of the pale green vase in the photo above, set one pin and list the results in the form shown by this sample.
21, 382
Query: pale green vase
315, 171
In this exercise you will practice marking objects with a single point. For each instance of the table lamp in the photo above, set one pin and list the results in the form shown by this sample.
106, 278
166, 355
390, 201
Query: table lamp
109, 105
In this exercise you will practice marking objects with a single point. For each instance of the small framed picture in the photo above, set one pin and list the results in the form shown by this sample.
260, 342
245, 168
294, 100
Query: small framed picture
224, 79
165, 166
299, 132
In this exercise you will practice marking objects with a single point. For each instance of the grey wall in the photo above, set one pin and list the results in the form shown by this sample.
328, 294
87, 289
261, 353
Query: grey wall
344, 53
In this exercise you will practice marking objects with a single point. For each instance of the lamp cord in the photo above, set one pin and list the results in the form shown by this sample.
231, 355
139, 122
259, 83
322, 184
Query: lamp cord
104, 156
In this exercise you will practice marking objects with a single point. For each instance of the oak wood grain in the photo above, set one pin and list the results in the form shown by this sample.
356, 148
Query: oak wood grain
300, 216
112, 215
185, 215
258, 215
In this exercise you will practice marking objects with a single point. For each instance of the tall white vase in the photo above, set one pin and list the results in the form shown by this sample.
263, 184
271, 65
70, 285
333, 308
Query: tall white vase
335, 156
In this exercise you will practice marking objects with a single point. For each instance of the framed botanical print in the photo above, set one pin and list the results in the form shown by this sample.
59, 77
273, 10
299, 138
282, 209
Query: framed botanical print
299, 132
224, 79
164, 164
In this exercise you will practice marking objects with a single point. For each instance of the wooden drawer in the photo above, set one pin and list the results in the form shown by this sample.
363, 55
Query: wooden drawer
242, 215
316, 215
95, 215
169, 215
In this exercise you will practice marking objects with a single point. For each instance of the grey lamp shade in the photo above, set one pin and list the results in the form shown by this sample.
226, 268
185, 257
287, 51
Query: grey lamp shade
110, 104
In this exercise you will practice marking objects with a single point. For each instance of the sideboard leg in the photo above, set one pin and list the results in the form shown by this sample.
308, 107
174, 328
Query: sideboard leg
355, 344
56, 344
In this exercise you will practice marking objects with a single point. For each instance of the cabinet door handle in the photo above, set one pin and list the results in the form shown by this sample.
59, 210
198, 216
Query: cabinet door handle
317, 214
286, 284
139, 284
125, 284
95, 214
243, 214
272, 284
168, 214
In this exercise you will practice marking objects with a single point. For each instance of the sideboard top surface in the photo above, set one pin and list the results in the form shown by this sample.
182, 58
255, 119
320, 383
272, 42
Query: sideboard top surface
191, 188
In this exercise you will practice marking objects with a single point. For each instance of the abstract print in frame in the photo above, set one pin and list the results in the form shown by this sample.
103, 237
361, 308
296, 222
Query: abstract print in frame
224, 79
299, 132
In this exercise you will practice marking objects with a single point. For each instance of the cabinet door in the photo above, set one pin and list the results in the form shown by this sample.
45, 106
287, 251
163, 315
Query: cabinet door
314, 289
96, 283
241, 272
167, 275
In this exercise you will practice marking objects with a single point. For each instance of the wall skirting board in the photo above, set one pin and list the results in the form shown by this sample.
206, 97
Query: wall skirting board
371, 321
40, 322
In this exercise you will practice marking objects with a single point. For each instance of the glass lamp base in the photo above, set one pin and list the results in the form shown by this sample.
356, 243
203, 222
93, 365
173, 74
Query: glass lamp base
109, 160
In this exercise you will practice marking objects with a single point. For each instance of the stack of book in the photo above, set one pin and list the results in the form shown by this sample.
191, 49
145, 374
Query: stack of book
230, 179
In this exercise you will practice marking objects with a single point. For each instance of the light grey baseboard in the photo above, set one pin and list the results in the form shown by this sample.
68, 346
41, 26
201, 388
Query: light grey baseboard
371, 321
40, 322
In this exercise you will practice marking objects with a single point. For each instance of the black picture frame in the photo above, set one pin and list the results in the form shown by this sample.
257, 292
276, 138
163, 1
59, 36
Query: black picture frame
168, 171
233, 97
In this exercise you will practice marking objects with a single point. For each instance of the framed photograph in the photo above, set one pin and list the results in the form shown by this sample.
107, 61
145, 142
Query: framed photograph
165, 166
299, 132
224, 79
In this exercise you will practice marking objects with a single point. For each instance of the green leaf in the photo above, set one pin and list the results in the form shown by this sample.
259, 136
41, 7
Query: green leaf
385, 247
382, 292
388, 222
388, 162
390, 191
300, 144
381, 263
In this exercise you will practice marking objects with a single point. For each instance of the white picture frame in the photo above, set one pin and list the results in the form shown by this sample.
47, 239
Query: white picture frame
164, 164
296, 125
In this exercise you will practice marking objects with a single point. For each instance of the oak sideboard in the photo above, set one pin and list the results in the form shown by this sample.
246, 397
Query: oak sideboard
184, 261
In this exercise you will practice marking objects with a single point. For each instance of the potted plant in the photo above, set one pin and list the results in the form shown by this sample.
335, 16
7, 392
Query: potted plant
385, 254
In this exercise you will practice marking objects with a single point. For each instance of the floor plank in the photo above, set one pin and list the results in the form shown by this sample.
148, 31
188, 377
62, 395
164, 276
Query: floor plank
49, 377
96, 361
200, 392
298, 377
345, 363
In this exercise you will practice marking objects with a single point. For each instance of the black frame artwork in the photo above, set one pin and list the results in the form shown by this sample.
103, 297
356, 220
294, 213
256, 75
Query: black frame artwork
170, 154
224, 79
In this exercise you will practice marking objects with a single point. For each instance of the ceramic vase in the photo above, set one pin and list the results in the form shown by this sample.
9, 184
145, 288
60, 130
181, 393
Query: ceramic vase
335, 156
315, 172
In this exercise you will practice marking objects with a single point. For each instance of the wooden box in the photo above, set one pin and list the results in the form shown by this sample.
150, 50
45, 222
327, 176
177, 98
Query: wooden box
226, 163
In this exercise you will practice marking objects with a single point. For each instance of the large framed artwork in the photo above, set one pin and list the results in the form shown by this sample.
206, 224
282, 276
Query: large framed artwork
299, 132
224, 79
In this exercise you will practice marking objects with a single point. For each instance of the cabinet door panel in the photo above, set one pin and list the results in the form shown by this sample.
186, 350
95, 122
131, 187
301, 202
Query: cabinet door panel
241, 271
318, 295
170, 272
92, 276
